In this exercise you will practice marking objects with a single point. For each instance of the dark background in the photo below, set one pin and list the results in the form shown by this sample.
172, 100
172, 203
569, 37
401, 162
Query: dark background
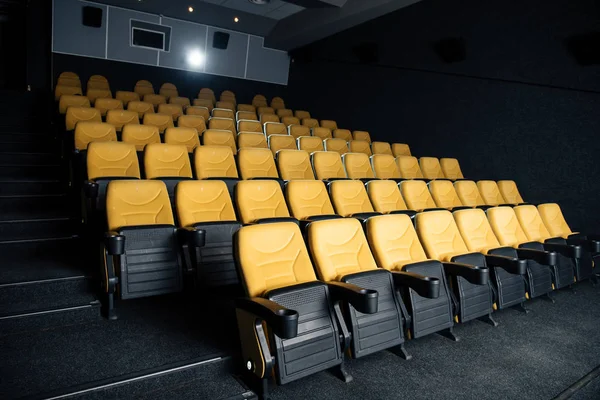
518, 107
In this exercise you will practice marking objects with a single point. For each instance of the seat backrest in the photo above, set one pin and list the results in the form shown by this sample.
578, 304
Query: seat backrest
409, 167
384, 166
192, 121
247, 115
62, 90
166, 160
451, 168
161, 121
310, 122
468, 193
381, 148
310, 144
256, 163
360, 146
251, 140
126, 97
307, 198
214, 162
475, 230
100, 85
246, 108
199, 111
182, 101
339, 248
281, 142
67, 101
143, 88
206, 103
490, 193
272, 256
245, 125
223, 113
416, 195
444, 194
342, 134
385, 196
400, 149
338, 145
140, 107
265, 110
78, 114
362, 135
216, 137
257, 199
394, 241
112, 159
277, 102
301, 114
284, 112
274, 128
506, 226
140, 135
203, 201
137, 203
532, 224
264, 118
184, 136
259, 101
328, 165
225, 124
357, 166
287, 121
225, 105
298, 130
439, 235
430, 166
554, 220
327, 123
168, 90
155, 99
323, 133
349, 197
510, 192
294, 165
88, 132
120, 118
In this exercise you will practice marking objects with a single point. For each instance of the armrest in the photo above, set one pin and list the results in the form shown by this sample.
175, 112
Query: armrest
114, 243
472, 273
424, 286
592, 246
509, 264
593, 237
90, 189
542, 257
565, 250
364, 300
283, 321
194, 236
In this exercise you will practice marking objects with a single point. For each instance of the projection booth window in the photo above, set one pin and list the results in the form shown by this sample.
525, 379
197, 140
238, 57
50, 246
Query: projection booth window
149, 36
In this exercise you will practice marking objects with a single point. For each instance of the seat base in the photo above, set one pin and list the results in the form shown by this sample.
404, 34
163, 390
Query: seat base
510, 288
474, 300
559, 275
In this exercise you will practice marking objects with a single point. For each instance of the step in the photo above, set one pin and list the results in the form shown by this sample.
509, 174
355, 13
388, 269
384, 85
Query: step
18, 187
51, 171
33, 229
27, 158
35, 206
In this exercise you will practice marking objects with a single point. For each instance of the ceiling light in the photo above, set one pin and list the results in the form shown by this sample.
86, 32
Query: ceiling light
191, 9
236, 19
195, 58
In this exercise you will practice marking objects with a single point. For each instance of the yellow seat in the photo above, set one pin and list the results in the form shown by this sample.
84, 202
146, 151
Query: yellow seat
298, 130
140, 135
126, 97
506, 227
143, 88
94, 94
328, 165
88, 132
468, 193
554, 220
294, 165
362, 135
265, 110
67, 101
67, 81
155, 100
310, 144
264, 118
214, 162
381, 148
530, 220
281, 142
430, 166
287, 121
510, 192
174, 110
226, 124
444, 194
273, 128
409, 167
182, 101
246, 108
162, 121
323, 133
192, 121
251, 140
308, 198
384, 167
385, 196
198, 111
357, 166
223, 113
400, 149
141, 108
249, 126
97, 85
217, 137
360, 146
327, 123
416, 195
119, 118
439, 235
277, 103
285, 112
260, 199
490, 193
166, 160
203, 201
77, 114
68, 74
338, 145
168, 90
310, 122
301, 114
62, 90
451, 168
183, 136
112, 159
476, 230
259, 101
104, 105
246, 115
350, 198
208, 104
256, 163
342, 134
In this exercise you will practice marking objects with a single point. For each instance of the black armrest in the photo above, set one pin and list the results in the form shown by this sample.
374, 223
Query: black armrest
458, 208
90, 189
472, 273
565, 250
364, 300
509, 264
410, 213
435, 209
542, 257
275, 220
115, 243
593, 237
593, 246
424, 285
505, 205
282, 321
323, 217
194, 237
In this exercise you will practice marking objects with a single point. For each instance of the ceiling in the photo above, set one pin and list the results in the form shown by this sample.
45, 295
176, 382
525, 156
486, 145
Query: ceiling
276, 9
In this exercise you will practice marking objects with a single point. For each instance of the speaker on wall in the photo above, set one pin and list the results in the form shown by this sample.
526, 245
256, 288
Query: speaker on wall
92, 17
585, 48
220, 40
451, 50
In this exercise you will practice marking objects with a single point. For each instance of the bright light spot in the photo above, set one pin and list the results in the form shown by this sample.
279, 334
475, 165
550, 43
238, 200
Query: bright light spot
236, 19
195, 58
191, 9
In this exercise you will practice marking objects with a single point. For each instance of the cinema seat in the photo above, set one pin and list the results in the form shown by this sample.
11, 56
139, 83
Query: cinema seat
141, 108
216, 163
223, 113
510, 192
183, 136
360, 146
198, 111
182, 101
409, 167
396, 248
244, 125
308, 200
87, 132
104, 105
350, 199
451, 169
205, 212
95, 83
491, 194
385, 167
119, 118
264, 118
301, 114
261, 201
161, 121
78, 114
287, 121
67, 80
192, 121
444, 195
361, 135
251, 140
217, 137
340, 146
328, 165
140, 136
357, 166
277, 103
540, 265
469, 195
143, 88
169, 163
294, 165
126, 97
208, 104
386, 198
256, 164
506, 272
417, 196
265, 110
284, 112
281, 142
274, 128
323, 133
310, 144
67, 101
430, 166
310, 122
381, 148
297, 131
168, 90
287, 304
94, 94
226, 103
246, 115
62, 90
259, 101
342, 134
141, 249
246, 108
329, 124
155, 100
400, 149
174, 110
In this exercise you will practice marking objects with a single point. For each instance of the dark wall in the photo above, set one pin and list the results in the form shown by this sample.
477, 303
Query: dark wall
519, 107
123, 76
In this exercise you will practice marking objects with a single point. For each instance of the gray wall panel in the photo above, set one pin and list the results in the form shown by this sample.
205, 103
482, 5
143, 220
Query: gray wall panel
229, 62
70, 36
266, 64
119, 37
185, 37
